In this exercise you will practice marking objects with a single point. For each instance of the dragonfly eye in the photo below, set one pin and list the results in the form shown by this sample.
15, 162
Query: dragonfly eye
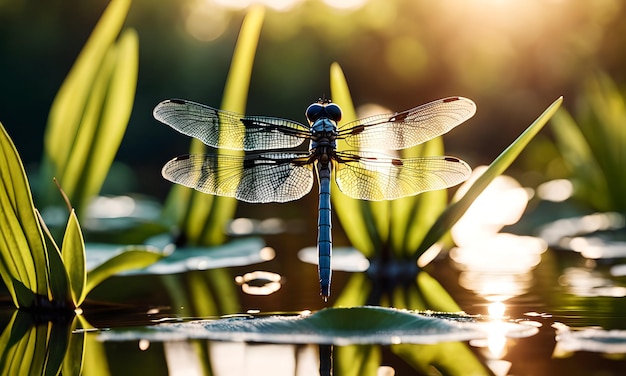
334, 111
314, 112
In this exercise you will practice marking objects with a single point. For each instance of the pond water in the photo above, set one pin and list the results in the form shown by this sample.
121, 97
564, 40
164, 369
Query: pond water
577, 304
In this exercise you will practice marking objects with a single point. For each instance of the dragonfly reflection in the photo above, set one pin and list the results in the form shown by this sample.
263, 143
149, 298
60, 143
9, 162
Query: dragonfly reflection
267, 174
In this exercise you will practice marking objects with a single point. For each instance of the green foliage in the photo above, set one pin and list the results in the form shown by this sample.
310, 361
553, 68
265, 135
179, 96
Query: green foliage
23, 265
405, 229
397, 226
593, 145
90, 113
41, 349
132, 257
455, 211
410, 226
37, 273
202, 218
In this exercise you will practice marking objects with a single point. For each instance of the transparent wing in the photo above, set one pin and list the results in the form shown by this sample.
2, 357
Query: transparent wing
258, 178
375, 176
229, 130
410, 127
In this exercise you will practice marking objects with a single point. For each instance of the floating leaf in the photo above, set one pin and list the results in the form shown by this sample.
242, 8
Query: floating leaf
338, 326
238, 252
133, 257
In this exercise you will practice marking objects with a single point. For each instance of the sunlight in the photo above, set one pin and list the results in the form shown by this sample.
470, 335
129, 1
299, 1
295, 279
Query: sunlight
278, 5
502, 203
555, 190
345, 4
259, 282
204, 21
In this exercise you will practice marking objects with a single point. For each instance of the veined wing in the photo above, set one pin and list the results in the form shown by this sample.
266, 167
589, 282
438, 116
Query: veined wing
375, 176
257, 178
229, 130
408, 128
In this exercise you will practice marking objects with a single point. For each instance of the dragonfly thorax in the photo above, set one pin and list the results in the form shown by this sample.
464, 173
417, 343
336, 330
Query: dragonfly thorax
323, 134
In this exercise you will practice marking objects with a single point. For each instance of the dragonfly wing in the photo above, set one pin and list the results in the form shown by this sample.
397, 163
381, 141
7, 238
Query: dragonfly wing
257, 178
229, 130
410, 127
375, 176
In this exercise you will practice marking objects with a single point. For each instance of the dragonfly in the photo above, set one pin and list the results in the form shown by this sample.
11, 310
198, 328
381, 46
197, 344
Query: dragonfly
271, 169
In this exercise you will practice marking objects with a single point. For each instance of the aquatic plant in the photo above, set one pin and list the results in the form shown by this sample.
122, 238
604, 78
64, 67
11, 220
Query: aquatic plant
396, 234
401, 237
90, 112
38, 273
592, 144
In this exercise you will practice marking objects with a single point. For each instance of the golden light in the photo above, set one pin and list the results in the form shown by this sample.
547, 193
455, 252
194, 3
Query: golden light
345, 4
259, 282
278, 5
502, 203
204, 21
495, 265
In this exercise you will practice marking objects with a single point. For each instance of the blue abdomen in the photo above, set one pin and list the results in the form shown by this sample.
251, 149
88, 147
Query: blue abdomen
324, 240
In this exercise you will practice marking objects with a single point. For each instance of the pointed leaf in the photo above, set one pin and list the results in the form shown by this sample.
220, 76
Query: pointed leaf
113, 93
58, 279
356, 216
206, 216
68, 107
73, 253
449, 217
22, 248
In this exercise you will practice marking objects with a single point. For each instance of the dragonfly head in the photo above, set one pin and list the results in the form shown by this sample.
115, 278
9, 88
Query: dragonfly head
323, 109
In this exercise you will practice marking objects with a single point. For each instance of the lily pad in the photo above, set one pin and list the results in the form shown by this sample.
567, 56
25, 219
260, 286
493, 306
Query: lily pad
245, 251
338, 326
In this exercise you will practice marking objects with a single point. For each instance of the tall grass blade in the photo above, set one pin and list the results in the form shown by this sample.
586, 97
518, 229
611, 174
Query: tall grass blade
22, 248
359, 228
449, 217
79, 108
205, 216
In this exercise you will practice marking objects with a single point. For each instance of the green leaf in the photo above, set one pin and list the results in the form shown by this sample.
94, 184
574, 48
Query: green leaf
134, 257
357, 360
93, 101
578, 157
412, 216
452, 358
22, 248
113, 93
340, 326
58, 279
456, 210
360, 229
73, 253
205, 217
74, 356
28, 347
355, 292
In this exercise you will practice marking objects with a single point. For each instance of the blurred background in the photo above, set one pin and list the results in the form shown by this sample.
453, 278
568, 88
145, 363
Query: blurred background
512, 57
